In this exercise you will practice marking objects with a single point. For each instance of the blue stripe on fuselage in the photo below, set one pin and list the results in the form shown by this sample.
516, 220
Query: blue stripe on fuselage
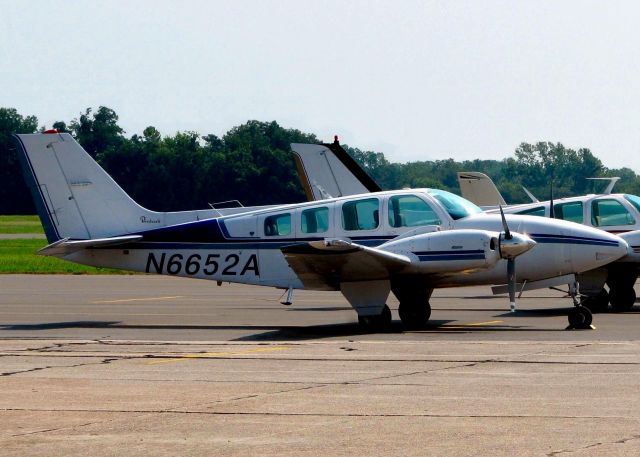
569, 239
213, 234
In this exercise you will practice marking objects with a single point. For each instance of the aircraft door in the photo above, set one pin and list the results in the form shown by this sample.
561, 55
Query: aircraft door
276, 229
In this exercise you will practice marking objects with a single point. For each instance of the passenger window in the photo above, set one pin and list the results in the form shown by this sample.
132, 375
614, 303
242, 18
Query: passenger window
279, 224
361, 214
569, 212
537, 211
315, 220
606, 212
410, 211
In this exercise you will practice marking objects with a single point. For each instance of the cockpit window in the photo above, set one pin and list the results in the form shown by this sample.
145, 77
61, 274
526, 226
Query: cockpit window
607, 211
410, 211
634, 200
456, 206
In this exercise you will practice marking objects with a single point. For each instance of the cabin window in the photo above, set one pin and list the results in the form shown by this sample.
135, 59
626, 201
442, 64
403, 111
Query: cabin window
280, 224
605, 212
315, 220
571, 211
410, 211
361, 214
537, 211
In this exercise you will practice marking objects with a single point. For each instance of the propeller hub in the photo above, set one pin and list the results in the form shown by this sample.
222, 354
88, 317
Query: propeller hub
517, 244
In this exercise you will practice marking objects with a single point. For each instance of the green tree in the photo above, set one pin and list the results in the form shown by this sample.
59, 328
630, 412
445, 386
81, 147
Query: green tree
15, 197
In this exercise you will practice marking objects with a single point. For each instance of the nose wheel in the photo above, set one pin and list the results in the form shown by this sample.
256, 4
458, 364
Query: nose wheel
580, 317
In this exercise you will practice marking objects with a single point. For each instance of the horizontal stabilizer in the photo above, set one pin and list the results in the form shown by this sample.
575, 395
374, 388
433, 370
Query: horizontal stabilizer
65, 247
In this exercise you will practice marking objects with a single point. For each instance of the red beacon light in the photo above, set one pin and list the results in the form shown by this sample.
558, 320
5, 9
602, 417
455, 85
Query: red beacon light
50, 131
335, 139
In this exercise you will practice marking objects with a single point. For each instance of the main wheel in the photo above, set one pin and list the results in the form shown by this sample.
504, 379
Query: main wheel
622, 298
580, 317
598, 303
414, 315
376, 323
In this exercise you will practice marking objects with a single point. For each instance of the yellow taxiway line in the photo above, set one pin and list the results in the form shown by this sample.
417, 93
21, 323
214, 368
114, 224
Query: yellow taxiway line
203, 355
126, 300
465, 326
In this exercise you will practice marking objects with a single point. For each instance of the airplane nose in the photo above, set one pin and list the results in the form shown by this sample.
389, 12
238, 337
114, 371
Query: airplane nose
604, 248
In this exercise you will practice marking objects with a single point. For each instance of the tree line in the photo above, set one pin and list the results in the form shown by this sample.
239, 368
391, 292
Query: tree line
253, 163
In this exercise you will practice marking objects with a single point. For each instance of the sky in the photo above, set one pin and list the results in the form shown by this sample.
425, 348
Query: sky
416, 80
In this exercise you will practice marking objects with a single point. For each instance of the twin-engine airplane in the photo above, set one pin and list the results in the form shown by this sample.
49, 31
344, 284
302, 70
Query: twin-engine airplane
407, 242
614, 213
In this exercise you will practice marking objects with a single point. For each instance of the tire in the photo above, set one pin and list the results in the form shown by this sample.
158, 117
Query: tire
378, 323
622, 298
580, 317
598, 303
414, 315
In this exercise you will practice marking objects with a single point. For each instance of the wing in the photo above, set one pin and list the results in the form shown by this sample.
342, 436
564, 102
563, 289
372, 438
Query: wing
325, 264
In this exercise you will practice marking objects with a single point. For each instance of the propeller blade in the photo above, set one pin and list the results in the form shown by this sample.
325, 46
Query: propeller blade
511, 279
507, 232
552, 210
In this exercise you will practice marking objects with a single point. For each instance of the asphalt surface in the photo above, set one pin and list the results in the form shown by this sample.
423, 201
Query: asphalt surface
122, 365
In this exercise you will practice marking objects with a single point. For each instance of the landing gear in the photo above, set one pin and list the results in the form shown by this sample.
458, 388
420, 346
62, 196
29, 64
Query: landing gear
376, 323
580, 317
598, 303
622, 298
414, 309
414, 315
621, 280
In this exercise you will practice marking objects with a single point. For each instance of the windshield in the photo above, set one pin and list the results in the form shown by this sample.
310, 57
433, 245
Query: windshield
634, 200
456, 206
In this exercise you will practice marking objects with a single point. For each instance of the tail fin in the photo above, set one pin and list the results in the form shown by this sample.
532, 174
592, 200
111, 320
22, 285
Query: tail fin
74, 196
326, 170
479, 188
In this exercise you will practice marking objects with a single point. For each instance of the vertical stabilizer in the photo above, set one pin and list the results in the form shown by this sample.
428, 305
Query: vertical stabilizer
479, 188
74, 196
326, 171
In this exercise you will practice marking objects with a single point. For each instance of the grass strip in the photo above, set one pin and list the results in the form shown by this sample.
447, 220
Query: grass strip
20, 224
19, 256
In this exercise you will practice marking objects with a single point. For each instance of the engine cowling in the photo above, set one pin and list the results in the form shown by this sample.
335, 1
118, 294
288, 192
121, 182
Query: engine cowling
449, 251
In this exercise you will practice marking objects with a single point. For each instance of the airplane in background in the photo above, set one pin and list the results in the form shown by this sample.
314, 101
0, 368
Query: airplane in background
614, 213
327, 170
366, 246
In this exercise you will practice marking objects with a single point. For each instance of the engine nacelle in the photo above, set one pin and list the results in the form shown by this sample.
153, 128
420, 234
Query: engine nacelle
457, 250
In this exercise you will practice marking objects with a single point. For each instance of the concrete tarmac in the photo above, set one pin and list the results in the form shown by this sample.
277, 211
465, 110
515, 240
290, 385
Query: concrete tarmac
144, 365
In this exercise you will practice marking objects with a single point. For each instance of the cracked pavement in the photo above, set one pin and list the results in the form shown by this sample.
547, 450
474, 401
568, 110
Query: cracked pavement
314, 388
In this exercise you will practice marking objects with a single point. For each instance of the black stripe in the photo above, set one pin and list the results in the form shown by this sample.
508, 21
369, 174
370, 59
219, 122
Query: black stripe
353, 167
36, 192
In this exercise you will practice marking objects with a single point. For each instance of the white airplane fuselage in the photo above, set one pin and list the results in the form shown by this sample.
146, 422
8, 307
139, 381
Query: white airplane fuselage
237, 248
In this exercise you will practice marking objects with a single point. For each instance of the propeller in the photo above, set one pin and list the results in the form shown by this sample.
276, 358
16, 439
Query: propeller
511, 246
